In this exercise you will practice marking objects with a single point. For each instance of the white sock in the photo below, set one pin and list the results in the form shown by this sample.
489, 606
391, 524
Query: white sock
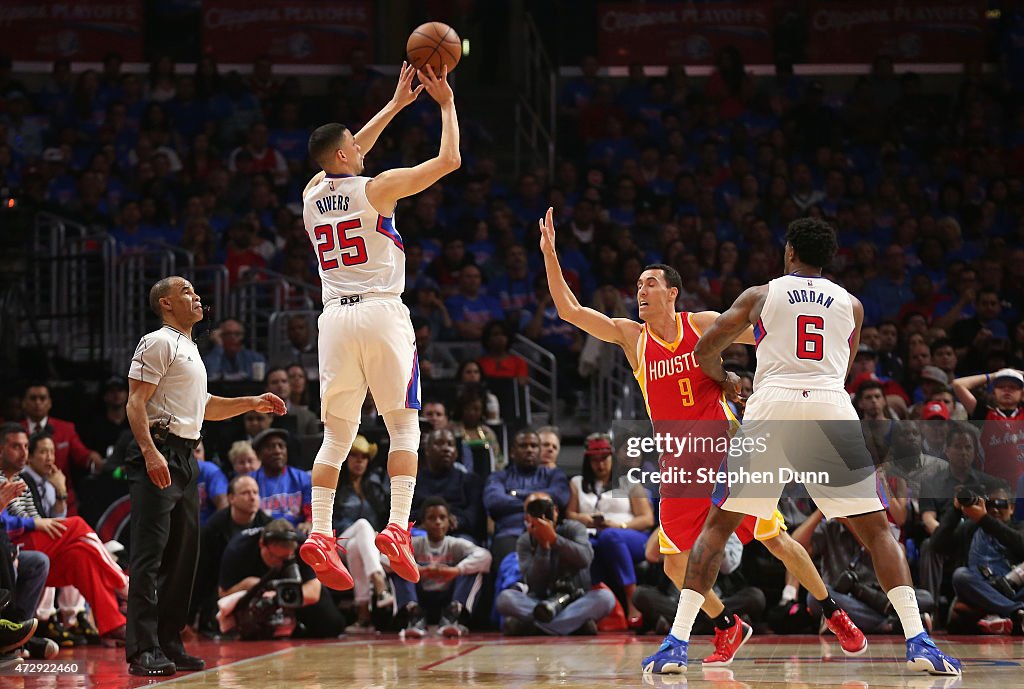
789, 593
323, 510
689, 605
402, 488
904, 602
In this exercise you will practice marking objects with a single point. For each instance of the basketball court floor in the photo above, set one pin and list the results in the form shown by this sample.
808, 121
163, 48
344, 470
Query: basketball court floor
608, 660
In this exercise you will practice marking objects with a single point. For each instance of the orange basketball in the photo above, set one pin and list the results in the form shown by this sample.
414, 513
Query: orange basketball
434, 44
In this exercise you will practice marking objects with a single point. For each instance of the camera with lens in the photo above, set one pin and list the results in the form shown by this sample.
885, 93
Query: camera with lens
541, 508
849, 583
967, 496
267, 610
1007, 585
563, 593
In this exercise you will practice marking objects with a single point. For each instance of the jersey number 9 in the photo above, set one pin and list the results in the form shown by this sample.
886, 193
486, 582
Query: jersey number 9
686, 392
352, 250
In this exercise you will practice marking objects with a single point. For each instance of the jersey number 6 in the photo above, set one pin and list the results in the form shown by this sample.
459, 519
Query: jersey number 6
325, 237
810, 345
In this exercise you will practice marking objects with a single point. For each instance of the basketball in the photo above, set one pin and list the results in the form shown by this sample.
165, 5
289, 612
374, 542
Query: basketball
434, 44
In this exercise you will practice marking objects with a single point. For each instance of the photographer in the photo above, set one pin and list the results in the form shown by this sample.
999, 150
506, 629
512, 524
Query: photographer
980, 530
554, 559
254, 562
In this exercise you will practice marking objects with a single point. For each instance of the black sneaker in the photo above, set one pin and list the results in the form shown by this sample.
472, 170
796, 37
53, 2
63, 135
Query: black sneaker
14, 634
416, 627
53, 629
152, 663
85, 629
183, 662
588, 628
449, 625
41, 648
513, 626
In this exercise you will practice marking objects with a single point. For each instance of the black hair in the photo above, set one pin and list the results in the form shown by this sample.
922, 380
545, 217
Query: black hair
813, 240
324, 140
38, 436
434, 501
941, 342
868, 385
161, 289
672, 277
485, 334
587, 470
9, 429
274, 369
233, 483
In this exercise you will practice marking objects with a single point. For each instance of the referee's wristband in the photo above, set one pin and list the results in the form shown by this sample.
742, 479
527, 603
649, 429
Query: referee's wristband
58, 498
987, 378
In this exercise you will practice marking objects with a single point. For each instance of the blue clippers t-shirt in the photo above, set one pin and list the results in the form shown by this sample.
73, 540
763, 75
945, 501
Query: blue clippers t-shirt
288, 496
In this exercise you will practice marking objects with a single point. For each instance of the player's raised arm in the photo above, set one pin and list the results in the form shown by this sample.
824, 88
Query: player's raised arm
725, 330
384, 190
569, 308
405, 94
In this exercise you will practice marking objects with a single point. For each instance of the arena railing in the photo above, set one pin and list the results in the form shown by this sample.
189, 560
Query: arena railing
540, 401
535, 106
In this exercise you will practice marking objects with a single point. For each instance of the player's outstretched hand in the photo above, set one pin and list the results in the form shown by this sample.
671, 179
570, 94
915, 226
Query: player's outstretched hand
405, 94
269, 403
731, 387
547, 232
436, 86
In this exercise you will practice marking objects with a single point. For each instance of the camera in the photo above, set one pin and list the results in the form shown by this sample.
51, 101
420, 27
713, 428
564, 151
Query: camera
1007, 585
967, 496
288, 586
267, 610
849, 583
542, 508
564, 592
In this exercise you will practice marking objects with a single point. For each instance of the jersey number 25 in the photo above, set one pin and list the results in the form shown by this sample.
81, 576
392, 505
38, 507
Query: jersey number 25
328, 236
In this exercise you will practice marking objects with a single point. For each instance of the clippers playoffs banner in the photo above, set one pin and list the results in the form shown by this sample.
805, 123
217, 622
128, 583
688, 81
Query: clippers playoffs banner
664, 34
77, 29
934, 31
289, 31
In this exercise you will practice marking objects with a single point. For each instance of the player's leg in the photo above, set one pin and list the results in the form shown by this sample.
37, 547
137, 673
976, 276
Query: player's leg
798, 562
702, 568
393, 374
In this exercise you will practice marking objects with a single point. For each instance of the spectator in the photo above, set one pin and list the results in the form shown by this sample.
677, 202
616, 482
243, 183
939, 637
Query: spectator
103, 430
550, 445
972, 335
446, 269
617, 524
301, 347
932, 379
471, 308
265, 159
908, 458
243, 458
435, 414
285, 492
24, 576
462, 490
305, 422
230, 360
515, 285
986, 540
1002, 414
212, 485
299, 388
36, 404
938, 489
77, 555
497, 361
451, 575
505, 491
470, 376
361, 505
554, 557
242, 512
473, 433
933, 432
259, 555
436, 362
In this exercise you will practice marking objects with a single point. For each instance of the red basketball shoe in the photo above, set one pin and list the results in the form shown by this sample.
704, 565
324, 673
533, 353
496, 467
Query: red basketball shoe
728, 642
396, 544
850, 638
321, 553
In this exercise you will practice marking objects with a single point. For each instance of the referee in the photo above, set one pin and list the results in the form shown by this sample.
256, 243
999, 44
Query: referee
167, 402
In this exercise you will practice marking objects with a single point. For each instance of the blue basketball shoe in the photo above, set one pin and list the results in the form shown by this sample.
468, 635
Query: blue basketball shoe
924, 655
669, 659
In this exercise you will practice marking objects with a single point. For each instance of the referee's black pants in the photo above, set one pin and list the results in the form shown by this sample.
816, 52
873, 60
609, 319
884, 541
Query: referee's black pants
164, 551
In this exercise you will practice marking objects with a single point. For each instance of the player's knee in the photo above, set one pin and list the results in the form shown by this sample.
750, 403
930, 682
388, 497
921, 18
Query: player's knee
776, 545
338, 437
675, 568
404, 429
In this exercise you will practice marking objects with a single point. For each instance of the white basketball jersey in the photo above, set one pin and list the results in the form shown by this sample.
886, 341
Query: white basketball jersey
803, 335
358, 250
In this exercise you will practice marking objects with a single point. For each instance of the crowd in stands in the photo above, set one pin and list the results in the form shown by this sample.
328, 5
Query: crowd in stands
925, 188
